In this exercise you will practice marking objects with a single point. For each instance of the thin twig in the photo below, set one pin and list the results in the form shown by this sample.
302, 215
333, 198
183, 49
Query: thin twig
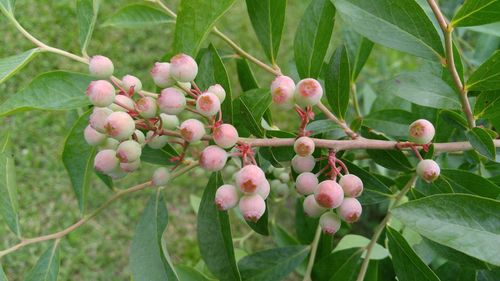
312, 255
349, 132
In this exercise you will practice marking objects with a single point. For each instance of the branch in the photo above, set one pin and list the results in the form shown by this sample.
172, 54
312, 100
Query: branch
334, 118
312, 256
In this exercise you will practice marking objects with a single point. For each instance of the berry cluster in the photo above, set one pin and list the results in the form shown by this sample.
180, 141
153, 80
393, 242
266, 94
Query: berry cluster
421, 132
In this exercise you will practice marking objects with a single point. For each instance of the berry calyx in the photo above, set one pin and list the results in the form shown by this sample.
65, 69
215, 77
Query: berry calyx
304, 146
350, 210
308, 92
129, 151
250, 178
97, 119
213, 158
226, 197
421, 132
192, 130
352, 185
428, 170
208, 104
282, 91
101, 93
119, 125
329, 194
183, 68
147, 107
101, 67
329, 223
252, 207
130, 81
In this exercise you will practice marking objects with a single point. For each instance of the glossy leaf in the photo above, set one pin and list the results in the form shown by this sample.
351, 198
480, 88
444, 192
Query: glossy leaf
273, 264
253, 105
282, 237
8, 188
491, 29
313, 37
358, 49
477, 12
245, 75
454, 255
407, 264
487, 76
214, 235
305, 226
148, 259
391, 159
56, 90
440, 185
268, 19
195, 19
187, 273
482, 142
357, 241
342, 265
137, 16
159, 156
392, 122
9, 66
467, 182
86, 12
467, 223
338, 82
374, 190
47, 266
7, 6
487, 105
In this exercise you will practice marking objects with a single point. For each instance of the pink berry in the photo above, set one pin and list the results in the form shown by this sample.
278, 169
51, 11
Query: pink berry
282, 91
329, 194
147, 107
308, 92
97, 119
161, 176
264, 190
129, 81
350, 210
311, 207
252, 207
183, 68
192, 130
225, 135
156, 141
306, 183
219, 91
119, 125
129, 151
226, 197
352, 185
171, 101
207, 104
101, 67
93, 137
122, 103
106, 161
304, 146
329, 223
303, 164
428, 170
101, 93
213, 158
421, 132
250, 178
131, 166
169, 122
161, 75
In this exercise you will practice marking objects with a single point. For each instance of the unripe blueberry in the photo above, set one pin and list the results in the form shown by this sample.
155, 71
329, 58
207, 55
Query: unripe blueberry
421, 132
225, 135
219, 91
252, 207
129, 81
97, 119
101, 67
119, 125
140, 137
101, 93
106, 161
93, 137
304, 146
192, 130
147, 107
284, 177
250, 178
129, 151
329, 194
279, 189
311, 207
308, 92
161, 75
207, 104
303, 164
171, 101
157, 141
128, 103
282, 91
183, 68
161, 176
306, 183
226, 197
169, 122
277, 171
350, 210
352, 185
131, 166
264, 190
213, 158
117, 174
428, 170
329, 223
109, 143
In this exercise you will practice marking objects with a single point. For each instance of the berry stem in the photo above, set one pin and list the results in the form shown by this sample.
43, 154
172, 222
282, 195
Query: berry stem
312, 255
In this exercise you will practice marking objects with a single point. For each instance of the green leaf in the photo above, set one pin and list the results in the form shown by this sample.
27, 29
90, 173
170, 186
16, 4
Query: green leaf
282, 237
467, 223
47, 266
487, 76
338, 82
7, 6
57, 90
358, 49
159, 156
491, 29
268, 19
407, 264
467, 182
342, 265
482, 142
422, 88
357, 241
9, 66
187, 273
195, 19
212, 71
375, 191
313, 37
455, 272
440, 185
214, 235
8, 187
272, 264
305, 226
138, 16
391, 159
454, 255
3, 277
78, 159
477, 12
392, 122
254, 104
323, 126
149, 261
86, 12
397, 24
245, 75
487, 105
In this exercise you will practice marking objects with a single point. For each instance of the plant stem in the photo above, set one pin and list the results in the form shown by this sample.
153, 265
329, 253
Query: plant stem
381, 227
334, 118
447, 30
355, 102
312, 256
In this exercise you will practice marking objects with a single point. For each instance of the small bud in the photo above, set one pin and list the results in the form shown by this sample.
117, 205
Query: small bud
183, 68
147, 107
277, 171
311, 207
303, 164
282, 91
284, 177
157, 141
109, 143
350, 210
226, 197
101, 67
306, 183
207, 104
428, 170
101, 93
169, 122
161, 75
421, 132
213, 158
250, 178
131, 166
171, 101
304, 146
129, 151
105, 161
264, 190
161, 176
122, 103
97, 119
93, 137
219, 91
352, 185
225, 135
329, 223
140, 137
308, 92
329, 194
129, 81
119, 125
192, 130
252, 207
